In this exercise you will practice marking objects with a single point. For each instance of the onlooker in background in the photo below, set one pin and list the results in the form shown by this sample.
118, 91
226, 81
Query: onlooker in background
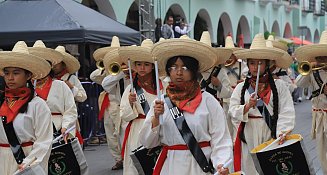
157, 30
167, 29
181, 28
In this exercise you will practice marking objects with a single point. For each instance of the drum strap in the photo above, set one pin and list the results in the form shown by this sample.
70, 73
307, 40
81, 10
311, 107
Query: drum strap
141, 96
320, 83
15, 146
189, 138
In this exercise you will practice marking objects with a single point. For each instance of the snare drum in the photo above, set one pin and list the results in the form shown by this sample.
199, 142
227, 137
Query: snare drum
288, 158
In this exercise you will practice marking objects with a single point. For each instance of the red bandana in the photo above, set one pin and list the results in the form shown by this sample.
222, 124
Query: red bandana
186, 96
146, 82
43, 91
14, 100
264, 89
61, 74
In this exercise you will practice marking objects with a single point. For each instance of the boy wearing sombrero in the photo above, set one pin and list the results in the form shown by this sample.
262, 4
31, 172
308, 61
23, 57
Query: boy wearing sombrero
25, 127
65, 71
316, 55
265, 110
109, 99
56, 93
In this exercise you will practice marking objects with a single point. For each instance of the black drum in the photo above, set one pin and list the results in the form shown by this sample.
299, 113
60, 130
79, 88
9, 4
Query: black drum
145, 159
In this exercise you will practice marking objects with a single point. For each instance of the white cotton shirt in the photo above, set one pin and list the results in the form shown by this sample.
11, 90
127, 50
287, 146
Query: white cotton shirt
78, 90
207, 123
60, 100
33, 126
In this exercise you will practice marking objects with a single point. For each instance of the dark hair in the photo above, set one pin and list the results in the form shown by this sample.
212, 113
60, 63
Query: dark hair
272, 122
23, 109
51, 73
191, 63
158, 22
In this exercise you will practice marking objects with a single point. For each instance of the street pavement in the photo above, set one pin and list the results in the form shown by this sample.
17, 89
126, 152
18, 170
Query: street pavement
100, 160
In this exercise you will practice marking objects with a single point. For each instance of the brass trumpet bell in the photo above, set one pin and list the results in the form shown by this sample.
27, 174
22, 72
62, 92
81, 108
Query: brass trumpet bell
231, 61
100, 65
306, 67
114, 68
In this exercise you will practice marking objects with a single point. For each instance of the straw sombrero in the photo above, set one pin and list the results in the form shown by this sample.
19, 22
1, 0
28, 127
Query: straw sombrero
111, 57
277, 44
259, 50
137, 53
309, 52
222, 53
184, 46
20, 57
40, 50
101, 52
286, 58
71, 62
229, 43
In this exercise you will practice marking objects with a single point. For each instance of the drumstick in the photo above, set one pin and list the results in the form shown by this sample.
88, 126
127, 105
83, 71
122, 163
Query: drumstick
275, 141
157, 84
257, 81
130, 75
66, 132
26, 164
228, 163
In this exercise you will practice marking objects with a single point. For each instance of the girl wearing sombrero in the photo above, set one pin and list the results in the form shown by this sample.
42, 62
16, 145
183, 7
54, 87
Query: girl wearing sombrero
265, 112
24, 115
65, 71
182, 60
316, 55
135, 103
56, 93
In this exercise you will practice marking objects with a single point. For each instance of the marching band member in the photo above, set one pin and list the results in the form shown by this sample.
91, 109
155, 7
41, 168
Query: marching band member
109, 99
279, 72
56, 93
182, 60
236, 71
24, 114
65, 71
316, 55
265, 112
133, 107
219, 84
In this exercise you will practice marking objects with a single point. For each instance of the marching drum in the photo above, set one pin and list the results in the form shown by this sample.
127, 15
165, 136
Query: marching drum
288, 158
67, 159
145, 159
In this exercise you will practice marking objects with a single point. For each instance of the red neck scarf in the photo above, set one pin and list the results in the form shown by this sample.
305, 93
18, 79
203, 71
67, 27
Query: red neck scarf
61, 74
264, 89
147, 83
43, 91
186, 96
14, 100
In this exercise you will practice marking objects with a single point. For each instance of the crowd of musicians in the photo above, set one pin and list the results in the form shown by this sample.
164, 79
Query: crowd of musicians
205, 107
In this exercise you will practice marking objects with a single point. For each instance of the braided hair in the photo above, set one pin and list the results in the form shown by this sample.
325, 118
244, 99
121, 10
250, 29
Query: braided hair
272, 121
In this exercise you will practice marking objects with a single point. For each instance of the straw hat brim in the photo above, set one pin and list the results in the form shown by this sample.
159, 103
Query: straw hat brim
135, 53
264, 54
167, 49
279, 45
72, 64
310, 52
223, 54
39, 67
99, 54
46, 53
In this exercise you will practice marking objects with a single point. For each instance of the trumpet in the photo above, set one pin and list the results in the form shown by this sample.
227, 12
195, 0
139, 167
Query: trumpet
306, 67
115, 68
100, 65
231, 61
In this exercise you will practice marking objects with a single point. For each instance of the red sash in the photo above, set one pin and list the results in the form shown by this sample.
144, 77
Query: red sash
128, 129
163, 155
105, 104
238, 149
44, 91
